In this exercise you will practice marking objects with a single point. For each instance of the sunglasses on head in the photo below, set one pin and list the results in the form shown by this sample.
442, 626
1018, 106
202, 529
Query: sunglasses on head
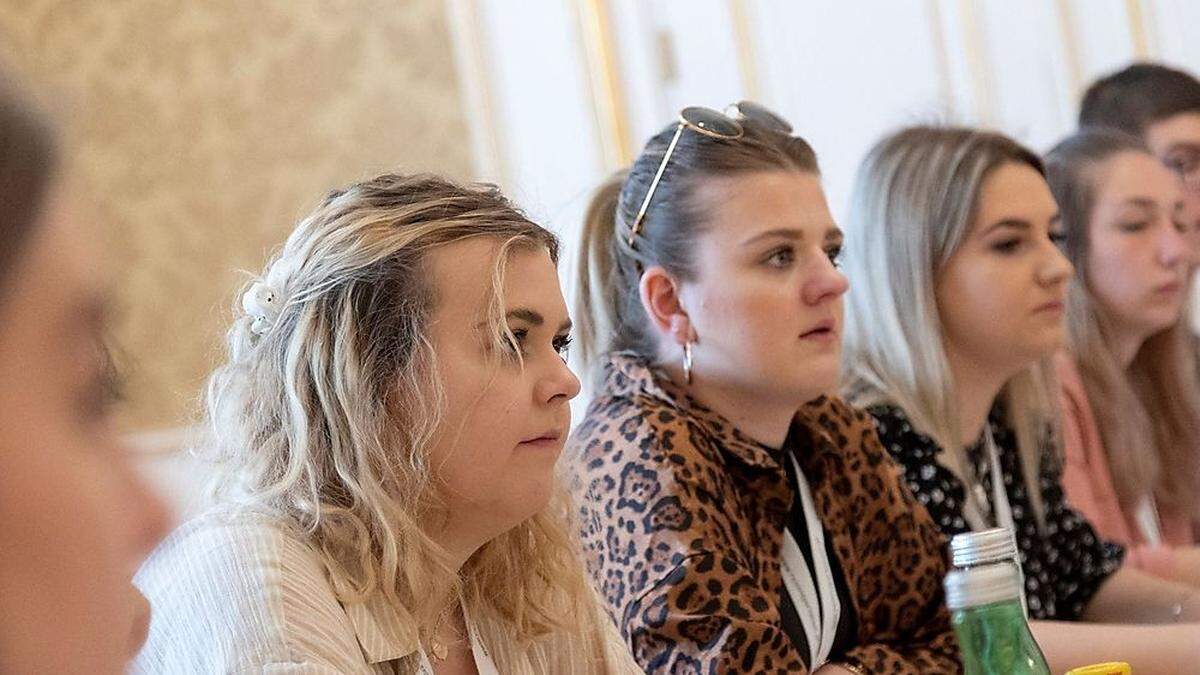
725, 126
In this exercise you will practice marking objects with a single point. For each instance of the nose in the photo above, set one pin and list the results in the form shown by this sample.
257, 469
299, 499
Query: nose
826, 283
1174, 248
558, 384
1055, 268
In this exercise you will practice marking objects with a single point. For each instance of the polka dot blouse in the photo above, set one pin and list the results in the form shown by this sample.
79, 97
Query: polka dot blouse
1065, 563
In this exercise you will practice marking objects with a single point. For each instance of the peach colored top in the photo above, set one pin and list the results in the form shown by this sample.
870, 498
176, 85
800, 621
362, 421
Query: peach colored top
1089, 485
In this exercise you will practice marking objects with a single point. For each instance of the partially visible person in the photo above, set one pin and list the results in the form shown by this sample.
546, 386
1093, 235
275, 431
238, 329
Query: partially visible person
75, 520
1160, 105
735, 516
955, 309
1131, 402
388, 421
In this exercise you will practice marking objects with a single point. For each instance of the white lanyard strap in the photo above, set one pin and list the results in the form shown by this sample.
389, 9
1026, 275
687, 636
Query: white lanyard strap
1147, 521
976, 503
1003, 510
819, 607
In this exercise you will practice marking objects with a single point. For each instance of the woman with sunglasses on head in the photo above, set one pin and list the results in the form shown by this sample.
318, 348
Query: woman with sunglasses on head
1131, 405
734, 517
75, 519
389, 418
955, 310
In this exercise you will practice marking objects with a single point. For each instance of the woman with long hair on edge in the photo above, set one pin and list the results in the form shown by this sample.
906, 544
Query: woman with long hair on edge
1131, 398
735, 517
388, 422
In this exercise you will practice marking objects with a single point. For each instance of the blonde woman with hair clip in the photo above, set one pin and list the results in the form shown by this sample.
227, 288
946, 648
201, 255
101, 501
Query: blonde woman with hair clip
1131, 427
388, 421
956, 307
734, 517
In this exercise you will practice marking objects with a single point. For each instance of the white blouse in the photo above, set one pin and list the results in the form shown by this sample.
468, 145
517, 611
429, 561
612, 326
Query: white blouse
241, 593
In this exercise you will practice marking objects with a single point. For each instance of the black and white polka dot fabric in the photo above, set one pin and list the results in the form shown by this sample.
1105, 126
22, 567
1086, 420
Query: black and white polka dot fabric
1064, 564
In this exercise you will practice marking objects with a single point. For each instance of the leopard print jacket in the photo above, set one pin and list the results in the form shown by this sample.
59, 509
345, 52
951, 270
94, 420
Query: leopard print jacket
682, 519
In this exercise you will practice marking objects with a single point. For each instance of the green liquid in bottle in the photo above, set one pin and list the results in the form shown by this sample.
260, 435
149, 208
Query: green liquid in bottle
995, 640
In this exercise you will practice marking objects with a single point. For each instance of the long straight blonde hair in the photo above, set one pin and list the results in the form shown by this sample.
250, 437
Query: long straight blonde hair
1148, 413
324, 419
913, 202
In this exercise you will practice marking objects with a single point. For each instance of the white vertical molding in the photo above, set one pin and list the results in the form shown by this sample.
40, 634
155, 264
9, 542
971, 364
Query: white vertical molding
607, 88
469, 42
975, 53
702, 39
635, 31
970, 77
743, 38
1139, 29
937, 30
1070, 51
1068, 54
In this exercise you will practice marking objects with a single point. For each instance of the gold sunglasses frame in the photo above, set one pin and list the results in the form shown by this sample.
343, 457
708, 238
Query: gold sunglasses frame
696, 124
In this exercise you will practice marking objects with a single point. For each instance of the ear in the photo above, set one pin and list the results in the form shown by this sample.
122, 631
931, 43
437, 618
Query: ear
661, 300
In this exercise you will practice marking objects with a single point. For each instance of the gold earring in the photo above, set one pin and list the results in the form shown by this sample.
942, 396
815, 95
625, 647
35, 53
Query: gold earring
687, 362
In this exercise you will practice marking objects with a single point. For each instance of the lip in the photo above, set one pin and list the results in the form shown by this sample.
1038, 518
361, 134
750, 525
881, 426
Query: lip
823, 331
1054, 306
1169, 288
548, 439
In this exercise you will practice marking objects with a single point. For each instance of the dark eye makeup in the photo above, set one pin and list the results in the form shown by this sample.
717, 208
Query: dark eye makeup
561, 342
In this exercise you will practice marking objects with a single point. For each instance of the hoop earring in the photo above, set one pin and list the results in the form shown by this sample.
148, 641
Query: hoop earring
687, 362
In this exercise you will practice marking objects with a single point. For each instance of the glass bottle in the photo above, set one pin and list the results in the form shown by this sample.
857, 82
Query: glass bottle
989, 547
985, 608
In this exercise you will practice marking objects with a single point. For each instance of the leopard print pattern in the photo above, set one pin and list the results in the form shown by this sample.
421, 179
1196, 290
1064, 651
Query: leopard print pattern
682, 518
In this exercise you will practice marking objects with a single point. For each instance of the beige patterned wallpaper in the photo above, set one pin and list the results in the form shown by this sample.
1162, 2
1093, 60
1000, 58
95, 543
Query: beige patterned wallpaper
201, 130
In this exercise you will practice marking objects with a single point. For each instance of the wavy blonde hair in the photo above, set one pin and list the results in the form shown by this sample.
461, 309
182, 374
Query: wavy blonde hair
1148, 413
324, 419
914, 199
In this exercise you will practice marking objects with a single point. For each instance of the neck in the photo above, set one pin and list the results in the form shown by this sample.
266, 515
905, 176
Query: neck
460, 541
975, 391
1125, 344
762, 418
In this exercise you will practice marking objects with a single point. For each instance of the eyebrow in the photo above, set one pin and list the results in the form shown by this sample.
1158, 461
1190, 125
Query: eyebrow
792, 234
1020, 223
1183, 145
535, 318
1144, 202
1012, 223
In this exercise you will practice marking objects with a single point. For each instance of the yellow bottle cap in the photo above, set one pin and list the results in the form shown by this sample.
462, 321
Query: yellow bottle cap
1102, 669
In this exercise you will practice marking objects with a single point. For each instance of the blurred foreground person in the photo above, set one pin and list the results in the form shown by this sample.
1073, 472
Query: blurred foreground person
75, 521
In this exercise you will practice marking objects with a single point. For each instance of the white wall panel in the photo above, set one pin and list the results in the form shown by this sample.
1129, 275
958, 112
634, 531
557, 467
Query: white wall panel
1027, 70
1101, 36
1173, 27
845, 73
546, 123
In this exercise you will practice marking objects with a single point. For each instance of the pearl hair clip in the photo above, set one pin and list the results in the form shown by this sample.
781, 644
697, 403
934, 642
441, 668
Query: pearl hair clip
262, 303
